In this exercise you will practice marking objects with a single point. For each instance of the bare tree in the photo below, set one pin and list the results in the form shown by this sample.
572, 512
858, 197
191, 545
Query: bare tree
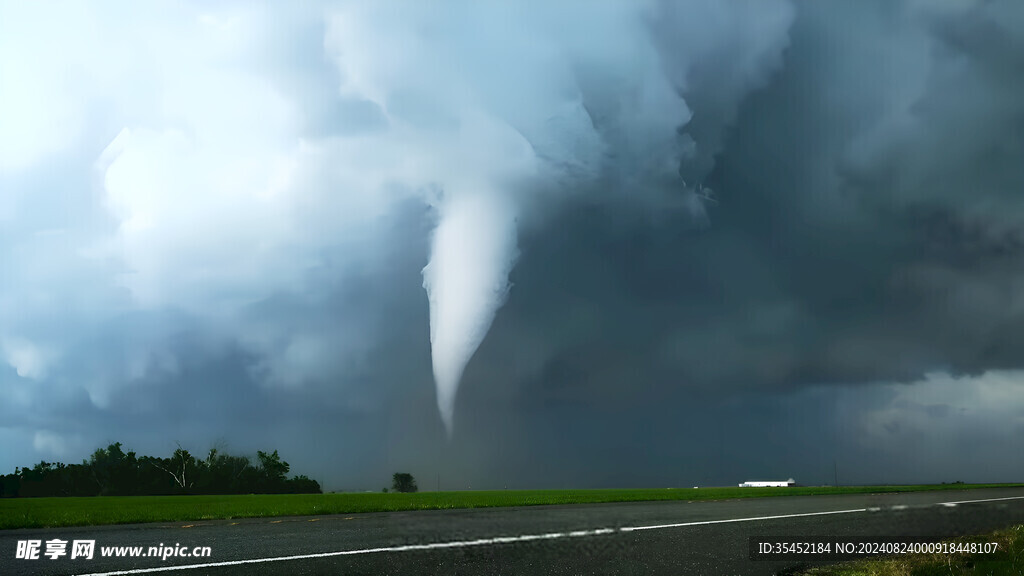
178, 466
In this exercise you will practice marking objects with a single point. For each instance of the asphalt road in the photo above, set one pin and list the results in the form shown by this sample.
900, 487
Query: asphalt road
623, 538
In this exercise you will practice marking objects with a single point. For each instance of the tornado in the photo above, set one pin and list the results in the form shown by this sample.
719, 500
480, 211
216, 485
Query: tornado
472, 251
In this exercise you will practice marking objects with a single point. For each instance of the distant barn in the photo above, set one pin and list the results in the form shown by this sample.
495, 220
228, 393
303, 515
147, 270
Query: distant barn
768, 483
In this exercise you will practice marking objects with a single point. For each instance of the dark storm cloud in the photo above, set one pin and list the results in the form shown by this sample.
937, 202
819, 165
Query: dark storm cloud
868, 232
819, 267
185, 284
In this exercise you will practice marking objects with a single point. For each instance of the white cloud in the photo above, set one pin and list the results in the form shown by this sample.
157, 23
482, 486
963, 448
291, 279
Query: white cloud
28, 359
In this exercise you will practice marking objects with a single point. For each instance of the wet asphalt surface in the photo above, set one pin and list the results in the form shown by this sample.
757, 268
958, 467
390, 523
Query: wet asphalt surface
714, 548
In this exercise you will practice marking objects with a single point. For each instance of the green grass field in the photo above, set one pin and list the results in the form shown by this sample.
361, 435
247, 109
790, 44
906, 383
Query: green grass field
55, 512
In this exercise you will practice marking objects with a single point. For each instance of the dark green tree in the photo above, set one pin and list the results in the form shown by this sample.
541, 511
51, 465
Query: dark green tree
403, 482
112, 471
224, 474
303, 485
274, 472
10, 484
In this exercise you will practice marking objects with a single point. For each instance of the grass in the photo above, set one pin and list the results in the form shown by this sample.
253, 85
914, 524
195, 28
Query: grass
1009, 559
94, 511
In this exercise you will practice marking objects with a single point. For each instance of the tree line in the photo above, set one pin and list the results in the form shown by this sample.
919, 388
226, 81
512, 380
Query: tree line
111, 471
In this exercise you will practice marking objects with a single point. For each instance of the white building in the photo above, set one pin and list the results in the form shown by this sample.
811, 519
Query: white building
768, 483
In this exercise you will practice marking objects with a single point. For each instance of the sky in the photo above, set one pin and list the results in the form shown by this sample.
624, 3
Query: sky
525, 245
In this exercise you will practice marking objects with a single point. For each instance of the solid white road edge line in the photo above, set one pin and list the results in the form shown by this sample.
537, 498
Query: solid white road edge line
985, 500
498, 540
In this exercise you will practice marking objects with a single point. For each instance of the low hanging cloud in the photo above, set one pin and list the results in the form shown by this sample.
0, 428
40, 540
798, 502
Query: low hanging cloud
245, 204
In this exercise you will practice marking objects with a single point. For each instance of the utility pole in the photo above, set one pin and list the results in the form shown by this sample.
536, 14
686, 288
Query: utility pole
835, 471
